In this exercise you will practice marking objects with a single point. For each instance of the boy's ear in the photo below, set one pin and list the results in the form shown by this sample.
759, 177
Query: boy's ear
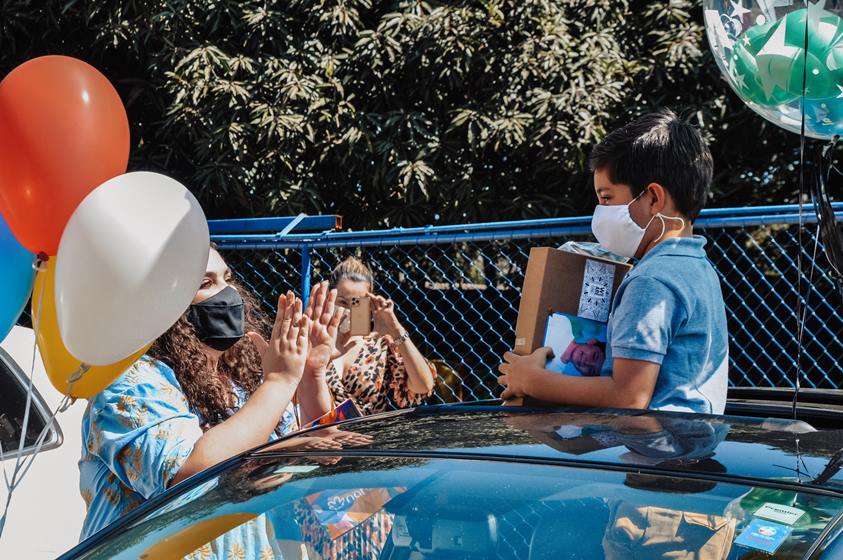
659, 198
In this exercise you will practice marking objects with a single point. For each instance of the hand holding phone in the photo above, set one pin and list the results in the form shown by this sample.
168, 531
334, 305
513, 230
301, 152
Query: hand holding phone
360, 311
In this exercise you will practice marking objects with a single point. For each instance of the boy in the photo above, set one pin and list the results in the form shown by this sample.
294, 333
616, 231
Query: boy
667, 340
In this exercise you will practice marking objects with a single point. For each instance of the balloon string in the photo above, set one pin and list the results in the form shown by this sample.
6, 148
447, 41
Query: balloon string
40, 263
23, 463
66, 402
72, 379
39, 443
20, 460
801, 308
28, 407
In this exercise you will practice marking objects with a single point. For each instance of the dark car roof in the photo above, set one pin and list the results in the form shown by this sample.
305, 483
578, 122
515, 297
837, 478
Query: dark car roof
743, 450
696, 445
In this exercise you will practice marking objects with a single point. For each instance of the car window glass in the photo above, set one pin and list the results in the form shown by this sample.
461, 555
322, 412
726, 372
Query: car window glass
13, 407
425, 509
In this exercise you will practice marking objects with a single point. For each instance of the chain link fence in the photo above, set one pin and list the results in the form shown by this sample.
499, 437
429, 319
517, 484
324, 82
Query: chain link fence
456, 289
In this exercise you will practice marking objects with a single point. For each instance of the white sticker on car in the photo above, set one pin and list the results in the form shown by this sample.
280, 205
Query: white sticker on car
777, 512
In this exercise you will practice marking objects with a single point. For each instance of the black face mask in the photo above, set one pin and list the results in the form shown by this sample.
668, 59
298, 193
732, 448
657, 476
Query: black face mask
219, 320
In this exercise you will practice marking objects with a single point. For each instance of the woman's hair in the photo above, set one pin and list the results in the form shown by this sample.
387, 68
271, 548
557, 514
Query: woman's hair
352, 269
207, 391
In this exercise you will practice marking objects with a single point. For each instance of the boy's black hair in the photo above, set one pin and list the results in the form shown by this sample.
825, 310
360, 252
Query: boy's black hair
659, 148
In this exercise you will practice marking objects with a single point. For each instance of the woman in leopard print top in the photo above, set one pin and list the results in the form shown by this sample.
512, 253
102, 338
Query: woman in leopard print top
383, 370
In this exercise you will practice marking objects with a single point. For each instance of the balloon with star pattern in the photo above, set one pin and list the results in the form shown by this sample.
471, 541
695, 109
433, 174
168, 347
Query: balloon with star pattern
759, 45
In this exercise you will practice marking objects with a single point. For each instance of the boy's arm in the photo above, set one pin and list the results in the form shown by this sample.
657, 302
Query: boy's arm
631, 384
642, 331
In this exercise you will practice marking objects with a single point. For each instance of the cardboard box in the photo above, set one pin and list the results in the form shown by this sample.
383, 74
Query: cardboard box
561, 282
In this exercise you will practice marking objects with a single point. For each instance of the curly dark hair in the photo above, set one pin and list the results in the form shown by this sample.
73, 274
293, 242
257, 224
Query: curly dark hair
207, 390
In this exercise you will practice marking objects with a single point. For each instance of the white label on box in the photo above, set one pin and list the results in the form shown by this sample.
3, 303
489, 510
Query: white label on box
596, 294
777, 512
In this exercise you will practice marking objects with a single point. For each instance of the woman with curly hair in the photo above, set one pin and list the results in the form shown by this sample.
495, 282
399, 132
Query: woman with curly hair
202, 394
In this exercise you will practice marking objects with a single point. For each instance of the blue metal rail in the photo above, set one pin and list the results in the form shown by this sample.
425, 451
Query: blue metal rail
519, 229
256, 225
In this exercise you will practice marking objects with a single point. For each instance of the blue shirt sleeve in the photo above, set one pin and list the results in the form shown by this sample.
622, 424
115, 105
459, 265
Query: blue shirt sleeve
142, 427
645, 320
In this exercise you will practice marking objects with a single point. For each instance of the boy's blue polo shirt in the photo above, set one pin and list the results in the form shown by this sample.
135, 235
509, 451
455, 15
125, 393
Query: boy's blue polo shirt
669, 310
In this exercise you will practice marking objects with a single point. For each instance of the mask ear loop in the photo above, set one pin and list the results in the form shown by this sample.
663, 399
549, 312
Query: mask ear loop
659, 215
662, 217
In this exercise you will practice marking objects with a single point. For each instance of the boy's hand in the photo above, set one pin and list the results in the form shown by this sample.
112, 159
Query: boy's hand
519, 371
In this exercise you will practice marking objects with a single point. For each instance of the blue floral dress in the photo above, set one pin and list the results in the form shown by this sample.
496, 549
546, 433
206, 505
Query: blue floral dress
136, 435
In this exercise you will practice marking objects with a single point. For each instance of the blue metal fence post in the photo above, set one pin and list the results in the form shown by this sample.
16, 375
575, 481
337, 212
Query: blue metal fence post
305, 273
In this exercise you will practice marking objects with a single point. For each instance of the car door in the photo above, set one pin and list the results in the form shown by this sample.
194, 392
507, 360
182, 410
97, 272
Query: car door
46, 511
14, 386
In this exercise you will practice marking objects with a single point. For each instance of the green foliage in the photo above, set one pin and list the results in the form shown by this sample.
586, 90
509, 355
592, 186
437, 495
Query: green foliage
400, 113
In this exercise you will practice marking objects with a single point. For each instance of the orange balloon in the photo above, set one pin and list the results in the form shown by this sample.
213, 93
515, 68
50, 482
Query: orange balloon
63, 132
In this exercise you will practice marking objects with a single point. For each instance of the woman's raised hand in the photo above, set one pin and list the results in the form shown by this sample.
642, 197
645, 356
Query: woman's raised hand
325, 317
383, 312
283, 356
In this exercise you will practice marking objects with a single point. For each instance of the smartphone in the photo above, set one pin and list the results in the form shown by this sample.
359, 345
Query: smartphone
360, 316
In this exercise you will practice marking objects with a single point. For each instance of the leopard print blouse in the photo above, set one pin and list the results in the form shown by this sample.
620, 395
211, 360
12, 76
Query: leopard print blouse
377, 380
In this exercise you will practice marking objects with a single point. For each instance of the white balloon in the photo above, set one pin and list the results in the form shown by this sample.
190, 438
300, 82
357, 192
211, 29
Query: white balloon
130, 261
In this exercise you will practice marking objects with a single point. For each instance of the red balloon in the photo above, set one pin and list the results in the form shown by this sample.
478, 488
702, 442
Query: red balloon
63, 132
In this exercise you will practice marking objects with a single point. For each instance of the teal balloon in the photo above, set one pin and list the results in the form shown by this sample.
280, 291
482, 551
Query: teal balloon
744, 67
825, 116
825, 29
789, 56
16, 277
781, 58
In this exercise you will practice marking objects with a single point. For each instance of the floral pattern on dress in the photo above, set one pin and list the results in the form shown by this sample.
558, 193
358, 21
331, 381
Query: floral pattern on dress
138, 433
123, 462
377, 379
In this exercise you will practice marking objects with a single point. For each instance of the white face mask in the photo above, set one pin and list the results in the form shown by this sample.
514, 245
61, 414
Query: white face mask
616, 231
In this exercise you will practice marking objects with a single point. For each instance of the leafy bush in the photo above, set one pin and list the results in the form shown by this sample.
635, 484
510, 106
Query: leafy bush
401, 113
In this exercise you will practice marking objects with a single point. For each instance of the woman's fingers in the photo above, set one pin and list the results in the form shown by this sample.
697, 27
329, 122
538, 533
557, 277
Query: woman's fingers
279, 316
302, 338
293, 322
289, 300
328, 308
320, 300
309, 309
260, 342
283, 319
334, 324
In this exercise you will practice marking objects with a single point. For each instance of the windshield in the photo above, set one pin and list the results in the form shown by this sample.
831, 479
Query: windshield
429, 508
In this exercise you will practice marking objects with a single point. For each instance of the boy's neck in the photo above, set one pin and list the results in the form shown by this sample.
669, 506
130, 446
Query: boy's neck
687, 231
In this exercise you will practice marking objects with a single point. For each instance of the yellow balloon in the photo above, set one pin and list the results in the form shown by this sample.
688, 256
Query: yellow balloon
58, 362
